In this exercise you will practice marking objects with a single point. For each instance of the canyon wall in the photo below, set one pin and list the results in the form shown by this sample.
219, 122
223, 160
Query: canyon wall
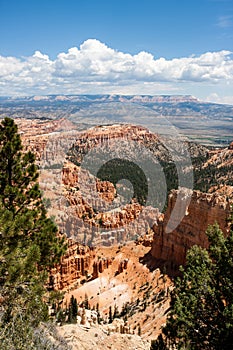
204, 209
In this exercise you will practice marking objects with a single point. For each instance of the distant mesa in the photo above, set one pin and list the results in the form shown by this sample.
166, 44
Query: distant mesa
110, 98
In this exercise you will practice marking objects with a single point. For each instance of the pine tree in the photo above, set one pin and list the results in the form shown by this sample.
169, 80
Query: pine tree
116, 313
86, 302
21, 196
98, 313
110, 318
73, 310
74, 306
29, 242
158, 344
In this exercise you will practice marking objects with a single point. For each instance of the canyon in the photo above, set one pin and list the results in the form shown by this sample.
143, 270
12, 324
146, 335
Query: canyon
121, 252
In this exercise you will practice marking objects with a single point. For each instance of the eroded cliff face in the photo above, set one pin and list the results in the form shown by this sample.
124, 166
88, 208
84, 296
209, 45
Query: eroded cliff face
204, 209
221, 158
73, 267
85, 214
95, 216
61, 148
77, 266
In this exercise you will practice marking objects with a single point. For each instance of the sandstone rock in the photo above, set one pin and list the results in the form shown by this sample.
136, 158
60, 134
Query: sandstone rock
99, 266
83, 317
79, 263
74, 265
204, 209
122, 265
75, 214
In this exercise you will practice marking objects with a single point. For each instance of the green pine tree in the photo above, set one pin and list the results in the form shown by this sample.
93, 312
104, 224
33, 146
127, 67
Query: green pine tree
73, 310
158, 344
116, 313
29, 243
86, 302
110, 318
21, 196
99, 319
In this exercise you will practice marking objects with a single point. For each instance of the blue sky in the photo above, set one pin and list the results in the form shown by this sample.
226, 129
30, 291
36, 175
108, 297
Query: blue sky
166, 30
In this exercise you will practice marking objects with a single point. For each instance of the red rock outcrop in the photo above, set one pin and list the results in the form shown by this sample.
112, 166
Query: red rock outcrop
220, 157
70, 178
74, 266
70, 174
78, 264
99, 266
204, 209
122, 265
106, 190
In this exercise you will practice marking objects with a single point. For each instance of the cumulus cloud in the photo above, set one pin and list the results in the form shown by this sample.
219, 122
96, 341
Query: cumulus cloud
95, 67
214, 97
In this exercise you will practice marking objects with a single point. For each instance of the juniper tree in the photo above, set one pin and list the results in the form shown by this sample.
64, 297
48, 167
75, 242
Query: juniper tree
29, 240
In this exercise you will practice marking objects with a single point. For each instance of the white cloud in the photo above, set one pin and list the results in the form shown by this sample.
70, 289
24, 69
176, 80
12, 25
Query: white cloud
96, 68
9, 65
225, 21
214, 97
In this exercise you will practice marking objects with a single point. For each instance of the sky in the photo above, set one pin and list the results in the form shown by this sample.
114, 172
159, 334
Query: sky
117, 47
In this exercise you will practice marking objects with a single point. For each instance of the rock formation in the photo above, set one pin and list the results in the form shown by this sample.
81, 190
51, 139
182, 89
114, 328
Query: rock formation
61, 148
76, 210
204, 209
78, 265
220, 158
74, 266
122, 266
99, 266
83, 317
